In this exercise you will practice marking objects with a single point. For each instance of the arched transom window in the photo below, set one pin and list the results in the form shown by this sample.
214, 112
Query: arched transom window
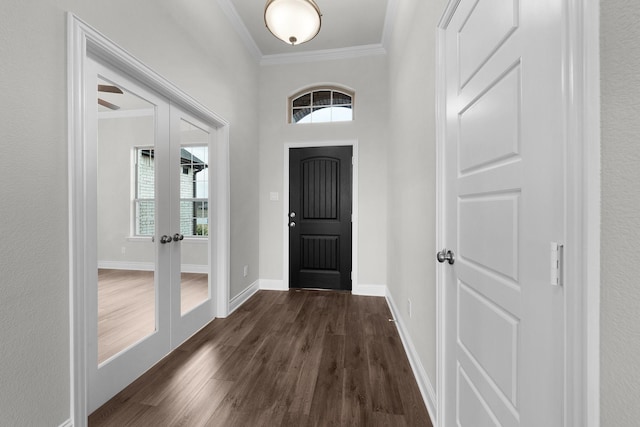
321, 105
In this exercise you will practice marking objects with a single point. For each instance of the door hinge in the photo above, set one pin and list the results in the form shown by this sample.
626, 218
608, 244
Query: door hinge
351, 275
557, 259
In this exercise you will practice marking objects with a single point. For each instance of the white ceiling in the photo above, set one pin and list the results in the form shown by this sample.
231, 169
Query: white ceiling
347, 26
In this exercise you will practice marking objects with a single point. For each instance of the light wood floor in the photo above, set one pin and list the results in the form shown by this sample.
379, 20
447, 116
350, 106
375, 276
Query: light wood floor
297, 358
126, 306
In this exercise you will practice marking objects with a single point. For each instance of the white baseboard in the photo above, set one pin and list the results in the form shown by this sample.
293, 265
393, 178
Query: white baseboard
67, 423
148, 266
127, 265
273, 285
424, 383
369, 290
243, 296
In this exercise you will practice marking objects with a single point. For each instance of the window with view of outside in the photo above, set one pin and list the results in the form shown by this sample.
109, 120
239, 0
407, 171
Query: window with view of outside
144, 201
321, 105
194, 191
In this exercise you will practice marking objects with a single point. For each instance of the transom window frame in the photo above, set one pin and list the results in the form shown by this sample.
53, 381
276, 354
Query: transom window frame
321, 88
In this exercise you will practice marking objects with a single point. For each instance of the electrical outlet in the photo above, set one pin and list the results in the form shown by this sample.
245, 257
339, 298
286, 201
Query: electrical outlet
245, 270
409, 308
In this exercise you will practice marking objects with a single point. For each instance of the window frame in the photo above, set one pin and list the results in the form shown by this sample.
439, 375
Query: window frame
322, 88
197, 237
135, 199
134, 233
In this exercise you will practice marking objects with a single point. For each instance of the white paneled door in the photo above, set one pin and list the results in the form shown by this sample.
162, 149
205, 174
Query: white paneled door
504, 207
148, 183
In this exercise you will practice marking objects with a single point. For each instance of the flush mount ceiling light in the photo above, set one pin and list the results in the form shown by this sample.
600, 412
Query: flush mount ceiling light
293, 21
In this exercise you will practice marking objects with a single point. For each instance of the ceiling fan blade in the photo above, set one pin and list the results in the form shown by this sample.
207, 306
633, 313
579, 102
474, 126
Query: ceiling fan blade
108, 104
109, 88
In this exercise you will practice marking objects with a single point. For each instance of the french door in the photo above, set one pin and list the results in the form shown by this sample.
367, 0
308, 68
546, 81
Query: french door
149, 251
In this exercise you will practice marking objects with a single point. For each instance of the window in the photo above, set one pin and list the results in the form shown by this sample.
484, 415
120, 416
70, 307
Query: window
194, 191
321, 105
144, 201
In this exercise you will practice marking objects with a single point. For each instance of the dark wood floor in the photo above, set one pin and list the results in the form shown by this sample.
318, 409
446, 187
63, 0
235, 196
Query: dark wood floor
297, 358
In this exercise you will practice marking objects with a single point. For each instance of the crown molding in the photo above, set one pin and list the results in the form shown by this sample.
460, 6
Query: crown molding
236, 22
324, 55
310, 56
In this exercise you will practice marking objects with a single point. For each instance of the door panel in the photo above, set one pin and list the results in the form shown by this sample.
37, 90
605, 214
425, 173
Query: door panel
503, 206
129, 291
320, 218
192, 143
124, 320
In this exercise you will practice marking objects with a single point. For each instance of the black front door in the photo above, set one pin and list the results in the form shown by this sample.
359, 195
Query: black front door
320, 217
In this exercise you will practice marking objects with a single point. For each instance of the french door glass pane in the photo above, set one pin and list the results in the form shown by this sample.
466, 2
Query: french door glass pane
194, 215
126, 266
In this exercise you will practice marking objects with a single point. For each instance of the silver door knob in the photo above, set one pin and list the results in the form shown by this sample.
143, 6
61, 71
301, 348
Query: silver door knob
292, 215
177, 237
165, 239
292, 224
446, 255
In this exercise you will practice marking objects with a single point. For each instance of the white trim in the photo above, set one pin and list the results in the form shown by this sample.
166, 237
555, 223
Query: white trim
238, 24
369, 290
324, 55
127, 265
354, 205
67, 423
310, 56
582, 329
440, 199
424, 383
149, 266
243, 296
273, 285
83, 40
223, 237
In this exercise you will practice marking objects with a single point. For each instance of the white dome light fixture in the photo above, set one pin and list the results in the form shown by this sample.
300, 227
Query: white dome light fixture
293, 21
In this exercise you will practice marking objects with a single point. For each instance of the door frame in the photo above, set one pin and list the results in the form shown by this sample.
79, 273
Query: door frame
83, 40
355, 289
581, 65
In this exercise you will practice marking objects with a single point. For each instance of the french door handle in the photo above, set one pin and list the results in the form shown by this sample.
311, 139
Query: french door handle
177, 237
446, 255
292, 224
165, 239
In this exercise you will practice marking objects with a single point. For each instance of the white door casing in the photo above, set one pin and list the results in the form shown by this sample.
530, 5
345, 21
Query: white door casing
85, 42
503, 205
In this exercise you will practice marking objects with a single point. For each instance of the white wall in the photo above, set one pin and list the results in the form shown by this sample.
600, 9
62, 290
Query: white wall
620, 250
368, 78
411, 252
191, 44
